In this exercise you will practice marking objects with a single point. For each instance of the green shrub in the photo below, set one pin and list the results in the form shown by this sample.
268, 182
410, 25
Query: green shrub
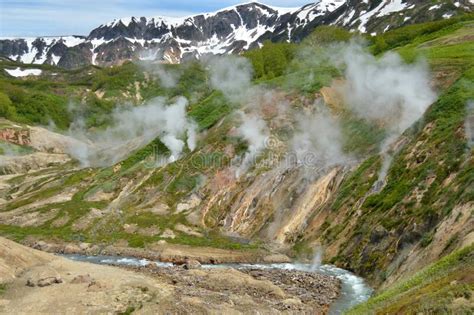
209, 111
271, 60
327, 34
6, 108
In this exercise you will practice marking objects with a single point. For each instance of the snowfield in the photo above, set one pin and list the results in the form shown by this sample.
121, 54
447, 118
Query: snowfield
18, 72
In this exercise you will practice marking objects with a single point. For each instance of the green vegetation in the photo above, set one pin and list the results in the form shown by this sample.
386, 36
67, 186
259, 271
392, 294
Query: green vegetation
301, 249
409, 34
358, 184
325, 35
154, 149
32, 105
432, 290
6, 107
91, 93
361, 137
210, 110
271, 60
430, 176
9, 148
128, 311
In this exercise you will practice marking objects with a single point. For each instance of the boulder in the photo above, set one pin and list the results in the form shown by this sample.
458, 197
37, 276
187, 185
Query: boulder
49, 281
276, 258
40, 245
82, 279
168, 234
44, 282
191, 264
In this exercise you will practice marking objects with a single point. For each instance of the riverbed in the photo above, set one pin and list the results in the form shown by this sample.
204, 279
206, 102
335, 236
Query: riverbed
354, 290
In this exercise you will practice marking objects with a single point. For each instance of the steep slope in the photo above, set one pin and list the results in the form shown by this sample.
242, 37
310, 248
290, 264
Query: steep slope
230, 30
443, 287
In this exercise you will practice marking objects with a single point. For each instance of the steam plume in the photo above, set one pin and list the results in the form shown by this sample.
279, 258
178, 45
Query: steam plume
134, 127
232, 76
386, 90
469, 124
255, 132
318, 140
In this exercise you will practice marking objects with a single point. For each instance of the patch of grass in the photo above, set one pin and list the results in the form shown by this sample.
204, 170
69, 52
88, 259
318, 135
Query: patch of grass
74, 209
302, 249
7, 148
154, 149
426, 239
212, 239
361, 137
357, 184
210, 110
148, 219
128, 311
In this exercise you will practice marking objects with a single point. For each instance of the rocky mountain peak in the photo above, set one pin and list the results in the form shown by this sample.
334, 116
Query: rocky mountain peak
229, 30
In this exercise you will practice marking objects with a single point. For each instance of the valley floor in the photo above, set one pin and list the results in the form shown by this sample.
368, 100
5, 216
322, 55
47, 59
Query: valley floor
32, 281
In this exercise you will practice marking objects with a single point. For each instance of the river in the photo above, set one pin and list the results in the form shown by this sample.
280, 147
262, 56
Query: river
354, 289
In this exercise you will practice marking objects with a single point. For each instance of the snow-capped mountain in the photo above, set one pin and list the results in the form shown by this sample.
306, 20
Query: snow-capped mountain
230, 30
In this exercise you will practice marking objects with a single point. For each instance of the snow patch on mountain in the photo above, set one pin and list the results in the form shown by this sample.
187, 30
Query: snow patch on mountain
18, 72
229, 30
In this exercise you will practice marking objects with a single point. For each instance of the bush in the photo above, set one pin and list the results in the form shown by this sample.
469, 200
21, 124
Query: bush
33, 106
271, 60
6, 108
327, 34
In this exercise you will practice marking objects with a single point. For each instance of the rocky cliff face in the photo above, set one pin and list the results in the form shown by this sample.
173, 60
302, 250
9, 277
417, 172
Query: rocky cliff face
231, 30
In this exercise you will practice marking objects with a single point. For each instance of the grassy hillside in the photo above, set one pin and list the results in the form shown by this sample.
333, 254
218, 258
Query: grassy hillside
58, 96
429, 177
444, 287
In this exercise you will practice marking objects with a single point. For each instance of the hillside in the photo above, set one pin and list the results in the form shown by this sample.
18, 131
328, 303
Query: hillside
289, 150
230, 30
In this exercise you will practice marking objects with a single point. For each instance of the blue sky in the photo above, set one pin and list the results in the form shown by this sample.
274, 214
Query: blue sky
79, 17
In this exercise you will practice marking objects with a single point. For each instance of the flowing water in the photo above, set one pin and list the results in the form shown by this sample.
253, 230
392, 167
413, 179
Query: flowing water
354, 290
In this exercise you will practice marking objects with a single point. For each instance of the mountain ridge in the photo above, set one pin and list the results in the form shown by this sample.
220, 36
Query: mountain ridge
230, 30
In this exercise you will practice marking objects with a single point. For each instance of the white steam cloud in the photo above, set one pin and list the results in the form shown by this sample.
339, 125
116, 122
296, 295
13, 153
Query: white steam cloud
232, 75
469, 124
168, 79
386, 89
255, 132
134, 127
318, 140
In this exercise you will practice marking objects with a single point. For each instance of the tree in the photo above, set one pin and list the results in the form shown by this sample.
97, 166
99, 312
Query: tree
274, 59
256, 58
6, 108
380, 45
327, 34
